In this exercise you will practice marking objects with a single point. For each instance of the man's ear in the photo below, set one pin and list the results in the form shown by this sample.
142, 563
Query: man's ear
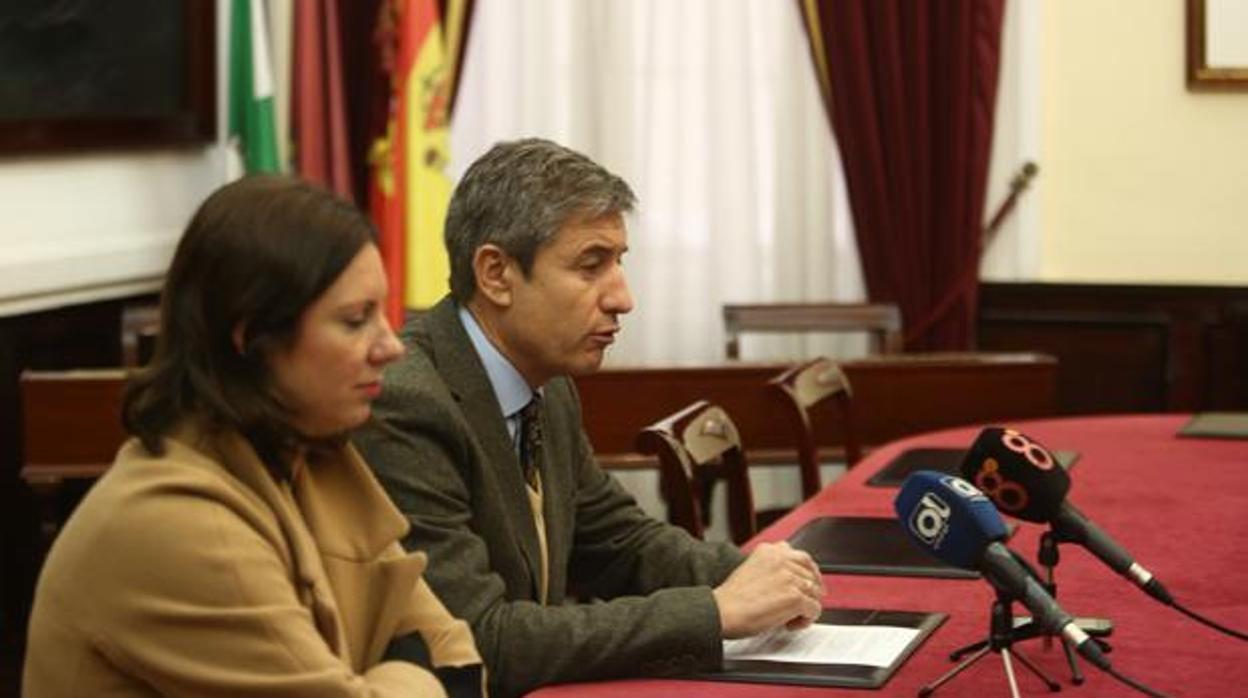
238, 337
494, 271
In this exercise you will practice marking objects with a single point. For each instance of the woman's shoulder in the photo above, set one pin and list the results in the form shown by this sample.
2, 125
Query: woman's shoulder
158, 525
191, 465
148, 500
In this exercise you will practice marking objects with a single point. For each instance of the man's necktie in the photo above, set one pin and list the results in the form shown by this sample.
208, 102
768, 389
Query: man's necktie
531, 439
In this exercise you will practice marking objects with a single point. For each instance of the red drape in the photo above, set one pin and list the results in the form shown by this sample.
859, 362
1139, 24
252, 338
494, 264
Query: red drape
367, 88
318, 113
910, 88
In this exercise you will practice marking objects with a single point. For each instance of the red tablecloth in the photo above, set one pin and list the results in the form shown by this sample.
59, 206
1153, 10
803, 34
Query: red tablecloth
1179, 505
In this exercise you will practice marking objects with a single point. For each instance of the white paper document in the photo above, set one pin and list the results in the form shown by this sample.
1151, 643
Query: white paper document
868, 645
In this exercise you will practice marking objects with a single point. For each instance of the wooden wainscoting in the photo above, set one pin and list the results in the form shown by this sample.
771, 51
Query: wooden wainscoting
1125, 348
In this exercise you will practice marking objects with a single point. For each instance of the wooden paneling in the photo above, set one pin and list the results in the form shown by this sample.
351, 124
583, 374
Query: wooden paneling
893, 396
1127, 348
1103, 356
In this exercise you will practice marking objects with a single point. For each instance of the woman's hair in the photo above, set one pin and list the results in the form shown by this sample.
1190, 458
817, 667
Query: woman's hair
255, 255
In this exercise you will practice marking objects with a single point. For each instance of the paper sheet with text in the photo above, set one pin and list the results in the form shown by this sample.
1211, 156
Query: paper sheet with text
868, 645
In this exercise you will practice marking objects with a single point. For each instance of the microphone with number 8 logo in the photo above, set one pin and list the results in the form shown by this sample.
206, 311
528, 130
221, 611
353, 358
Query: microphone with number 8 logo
1024, 480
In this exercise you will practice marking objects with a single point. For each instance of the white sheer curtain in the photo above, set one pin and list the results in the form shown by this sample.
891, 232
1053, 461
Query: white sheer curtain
709, 108
1015, 254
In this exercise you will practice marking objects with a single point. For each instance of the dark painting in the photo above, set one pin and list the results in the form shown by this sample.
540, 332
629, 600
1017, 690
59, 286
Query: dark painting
84, 73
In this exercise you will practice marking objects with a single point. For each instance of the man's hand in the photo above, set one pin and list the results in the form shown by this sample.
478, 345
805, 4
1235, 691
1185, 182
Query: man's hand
776, 585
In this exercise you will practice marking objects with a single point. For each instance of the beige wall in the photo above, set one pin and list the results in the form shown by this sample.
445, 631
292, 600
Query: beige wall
1142, 180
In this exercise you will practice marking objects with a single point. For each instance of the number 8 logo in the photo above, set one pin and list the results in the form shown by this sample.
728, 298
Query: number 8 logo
1009, 496
1034, 452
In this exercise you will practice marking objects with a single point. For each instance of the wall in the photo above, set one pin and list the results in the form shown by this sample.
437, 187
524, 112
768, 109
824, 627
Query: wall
86, 226
1141, 180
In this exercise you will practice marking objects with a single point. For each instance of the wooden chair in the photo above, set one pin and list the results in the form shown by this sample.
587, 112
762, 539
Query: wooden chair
71, 430
696, 445
803, 388
71, 423
140, 327
881, 320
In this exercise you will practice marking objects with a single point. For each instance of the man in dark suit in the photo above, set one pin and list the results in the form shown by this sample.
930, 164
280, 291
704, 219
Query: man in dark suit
479, 442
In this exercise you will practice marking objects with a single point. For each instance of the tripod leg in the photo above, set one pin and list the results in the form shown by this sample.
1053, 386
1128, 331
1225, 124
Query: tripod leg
930, 688
967, 649
1048, 681
1021, 631
1076, 676
1009, 671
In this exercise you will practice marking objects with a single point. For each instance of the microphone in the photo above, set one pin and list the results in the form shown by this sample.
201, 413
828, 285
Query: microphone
956, 523
1024, 480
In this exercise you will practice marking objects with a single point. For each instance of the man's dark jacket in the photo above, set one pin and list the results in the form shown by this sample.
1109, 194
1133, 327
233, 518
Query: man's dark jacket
628, 595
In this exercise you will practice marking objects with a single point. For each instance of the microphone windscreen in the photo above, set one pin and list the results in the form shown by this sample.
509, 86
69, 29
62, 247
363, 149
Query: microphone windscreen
946, 516
1022, 477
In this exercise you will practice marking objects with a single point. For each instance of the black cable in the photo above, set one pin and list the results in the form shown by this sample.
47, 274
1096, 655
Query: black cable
1212, 624
1135, 684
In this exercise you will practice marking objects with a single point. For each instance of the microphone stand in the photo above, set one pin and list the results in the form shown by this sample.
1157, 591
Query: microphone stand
1096, 628
1002, 635
1026, 627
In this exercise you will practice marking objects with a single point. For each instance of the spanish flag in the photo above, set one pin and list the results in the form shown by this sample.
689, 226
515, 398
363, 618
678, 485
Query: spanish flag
410, 188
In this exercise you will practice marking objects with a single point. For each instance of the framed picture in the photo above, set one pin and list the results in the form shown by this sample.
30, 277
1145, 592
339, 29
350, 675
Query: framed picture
1217, 45
88, 74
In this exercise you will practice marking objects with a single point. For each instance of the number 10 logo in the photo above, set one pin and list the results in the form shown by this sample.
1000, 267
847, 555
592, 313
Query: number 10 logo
930, 520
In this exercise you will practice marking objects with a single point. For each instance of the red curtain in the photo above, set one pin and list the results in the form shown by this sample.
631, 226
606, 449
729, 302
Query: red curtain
367, 86
318, 110
910, 88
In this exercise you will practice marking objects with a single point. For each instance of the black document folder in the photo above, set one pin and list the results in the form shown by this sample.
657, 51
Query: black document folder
867, 545
1217, 425
846, 675
945, 460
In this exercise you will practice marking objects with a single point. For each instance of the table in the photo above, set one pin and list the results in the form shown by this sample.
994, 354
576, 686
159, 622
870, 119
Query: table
1179, 505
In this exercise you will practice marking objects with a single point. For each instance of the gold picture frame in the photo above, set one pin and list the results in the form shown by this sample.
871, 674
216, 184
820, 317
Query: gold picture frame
1207, 29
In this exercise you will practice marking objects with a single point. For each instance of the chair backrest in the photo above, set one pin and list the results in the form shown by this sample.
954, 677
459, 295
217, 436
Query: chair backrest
140, 326
71, 423
882, 321
804, 387
695, 445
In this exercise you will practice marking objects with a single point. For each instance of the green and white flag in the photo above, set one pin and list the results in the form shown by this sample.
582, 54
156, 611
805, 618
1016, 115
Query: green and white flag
252, 128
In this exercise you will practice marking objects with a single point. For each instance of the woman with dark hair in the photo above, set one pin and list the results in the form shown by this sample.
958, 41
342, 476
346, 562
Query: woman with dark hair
239, 545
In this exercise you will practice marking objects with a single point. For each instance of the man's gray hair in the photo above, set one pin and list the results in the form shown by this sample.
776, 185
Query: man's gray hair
518, 196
